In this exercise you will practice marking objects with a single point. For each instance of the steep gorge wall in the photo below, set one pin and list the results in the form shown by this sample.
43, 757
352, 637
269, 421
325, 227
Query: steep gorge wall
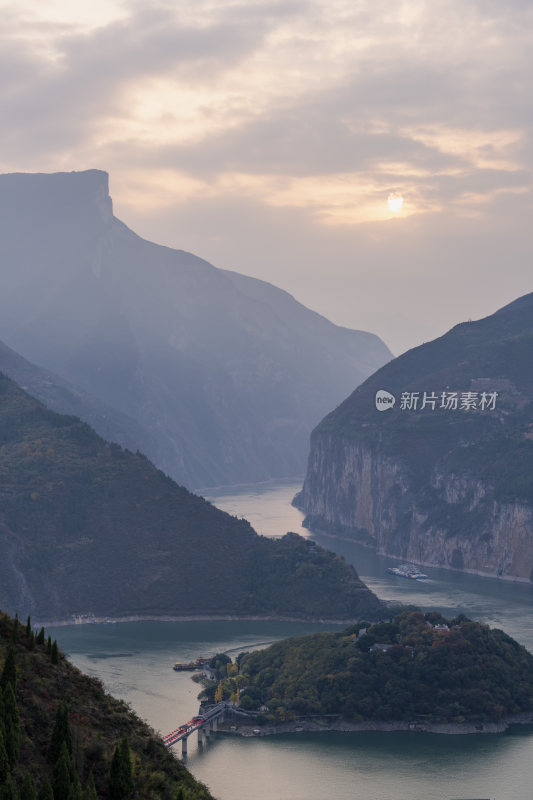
455, 522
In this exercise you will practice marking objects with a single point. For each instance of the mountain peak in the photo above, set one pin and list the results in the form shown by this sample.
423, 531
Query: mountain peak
24, 191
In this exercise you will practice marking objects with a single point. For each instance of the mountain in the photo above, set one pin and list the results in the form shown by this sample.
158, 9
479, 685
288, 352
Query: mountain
96, 723
449, 482
418, 669
228, 373
87, 528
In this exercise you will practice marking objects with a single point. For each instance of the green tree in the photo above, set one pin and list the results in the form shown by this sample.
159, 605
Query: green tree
62, 775
49, 645
89, 792
55, 653
61, 734
8, 790
40, 637
27, 790
75, 792
46, 792
12, 725
9, 672
121, 773
4, 761
28, 626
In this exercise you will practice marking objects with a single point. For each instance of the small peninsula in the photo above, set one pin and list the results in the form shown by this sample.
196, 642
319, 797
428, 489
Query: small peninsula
416, 672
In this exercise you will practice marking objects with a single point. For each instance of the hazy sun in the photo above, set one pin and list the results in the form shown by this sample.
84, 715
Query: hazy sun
395, 201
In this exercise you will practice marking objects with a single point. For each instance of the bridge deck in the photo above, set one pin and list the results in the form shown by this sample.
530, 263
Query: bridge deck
194, 724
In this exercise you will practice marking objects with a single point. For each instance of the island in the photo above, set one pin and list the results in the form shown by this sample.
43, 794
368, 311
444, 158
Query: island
417, 671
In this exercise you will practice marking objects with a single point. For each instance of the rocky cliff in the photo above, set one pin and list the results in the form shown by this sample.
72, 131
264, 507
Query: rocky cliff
443, 476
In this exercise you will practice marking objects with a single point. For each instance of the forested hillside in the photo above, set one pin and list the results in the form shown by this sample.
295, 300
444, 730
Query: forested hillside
418, 665
89, 528
63, 738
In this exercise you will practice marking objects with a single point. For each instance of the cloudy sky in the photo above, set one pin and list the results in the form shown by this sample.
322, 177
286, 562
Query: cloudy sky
267, 136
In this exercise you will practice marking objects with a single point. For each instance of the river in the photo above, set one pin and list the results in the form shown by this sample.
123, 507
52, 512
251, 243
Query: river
134, 661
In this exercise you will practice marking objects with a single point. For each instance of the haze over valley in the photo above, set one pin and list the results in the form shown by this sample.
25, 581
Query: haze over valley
266, 400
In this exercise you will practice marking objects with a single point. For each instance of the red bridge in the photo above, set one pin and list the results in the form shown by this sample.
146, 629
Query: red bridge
203, 723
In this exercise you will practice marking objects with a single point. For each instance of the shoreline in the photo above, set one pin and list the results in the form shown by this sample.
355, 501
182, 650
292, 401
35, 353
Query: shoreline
89, 619
400, 559
391, 726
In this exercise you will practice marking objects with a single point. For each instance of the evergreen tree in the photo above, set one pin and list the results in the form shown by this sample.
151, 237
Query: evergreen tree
89, 793
12, 725
4, 761
61, 733
2, 716
40, 637
28, 626
9, 672
75, 792
8, 790
127, 765
180, 794
121, 773
46, 792
49, 645
27, 790
55, 653
62, 775
32, 640
15, 631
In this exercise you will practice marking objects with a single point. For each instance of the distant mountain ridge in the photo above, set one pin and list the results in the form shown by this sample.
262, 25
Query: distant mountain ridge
63, 397
90, 529
228, 374
446, 486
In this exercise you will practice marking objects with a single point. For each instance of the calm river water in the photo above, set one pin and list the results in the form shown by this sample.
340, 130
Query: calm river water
134, 661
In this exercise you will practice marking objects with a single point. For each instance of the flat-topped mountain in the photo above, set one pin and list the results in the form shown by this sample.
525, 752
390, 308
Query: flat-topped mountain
444, 475
87, 528
228, 373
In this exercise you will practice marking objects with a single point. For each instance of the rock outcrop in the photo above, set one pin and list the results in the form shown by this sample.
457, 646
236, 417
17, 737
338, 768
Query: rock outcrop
451, 487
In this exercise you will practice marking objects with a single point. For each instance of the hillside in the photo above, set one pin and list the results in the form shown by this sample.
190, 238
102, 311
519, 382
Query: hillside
220, 368
449, 482
89, 528
97, 722
65, 398
417, 666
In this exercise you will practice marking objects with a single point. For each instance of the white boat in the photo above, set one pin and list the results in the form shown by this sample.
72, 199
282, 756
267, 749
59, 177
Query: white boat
410, 571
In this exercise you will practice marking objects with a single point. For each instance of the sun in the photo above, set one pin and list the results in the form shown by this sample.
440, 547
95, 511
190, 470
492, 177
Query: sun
395, 202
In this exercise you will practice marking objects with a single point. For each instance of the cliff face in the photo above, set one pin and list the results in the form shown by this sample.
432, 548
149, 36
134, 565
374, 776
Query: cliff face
444, 487
351, 488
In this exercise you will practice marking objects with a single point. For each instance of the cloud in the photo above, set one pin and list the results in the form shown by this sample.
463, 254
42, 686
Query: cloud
298, 114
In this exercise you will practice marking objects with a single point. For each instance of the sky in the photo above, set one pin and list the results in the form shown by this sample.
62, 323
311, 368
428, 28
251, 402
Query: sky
267, 137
